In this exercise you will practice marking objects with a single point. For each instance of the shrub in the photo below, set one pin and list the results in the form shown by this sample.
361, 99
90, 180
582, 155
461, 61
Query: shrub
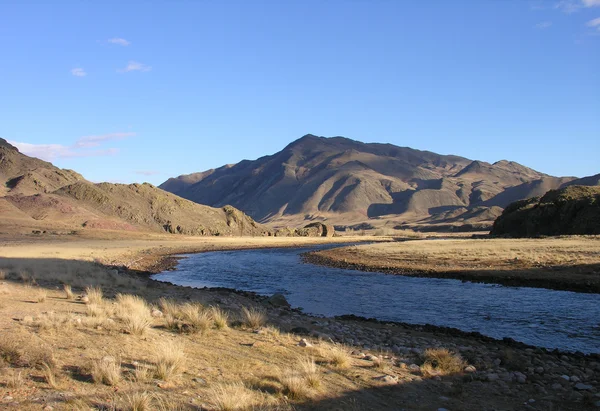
231, 397
134, 312
195, 319
220, 318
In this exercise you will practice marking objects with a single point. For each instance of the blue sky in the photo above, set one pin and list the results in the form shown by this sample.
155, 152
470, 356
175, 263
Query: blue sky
142, 91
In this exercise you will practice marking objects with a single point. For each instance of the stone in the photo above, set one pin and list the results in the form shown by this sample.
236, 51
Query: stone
371, 357
278, 300
387, 379
582, 387
414, 368
574, 378
492, 377
470, 369
304, 343
556, 386
539, 370
565, 377
157, 313
85, 299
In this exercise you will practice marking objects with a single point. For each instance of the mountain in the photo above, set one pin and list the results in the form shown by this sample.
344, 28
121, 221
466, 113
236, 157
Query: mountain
37, 195
348, 182
573, 209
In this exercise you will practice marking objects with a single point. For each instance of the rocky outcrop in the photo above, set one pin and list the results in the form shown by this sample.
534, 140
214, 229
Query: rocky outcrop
570, 210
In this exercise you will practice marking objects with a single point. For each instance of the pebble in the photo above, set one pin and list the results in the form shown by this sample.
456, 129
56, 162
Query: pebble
470, 369
583, 387
492, 377
371, 358
574, 378
565, 377
304, 343
556, 386
157, 313
539, 370
388, 379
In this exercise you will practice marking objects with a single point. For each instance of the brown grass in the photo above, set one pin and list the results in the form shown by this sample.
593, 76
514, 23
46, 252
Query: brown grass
50, 375
15, 379
253, 317
169, 359
68, 292
338, 356
310, 372
134, 312
220, 318
231, 397
441, 361
139, 401
106, 370
295, 386
41, 295
94, 295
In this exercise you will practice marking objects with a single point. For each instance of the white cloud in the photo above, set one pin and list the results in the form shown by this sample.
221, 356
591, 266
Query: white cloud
591, 3
135, 66
119, 41
95, 141
147, 172
83, 147
571, 6
543, 25
78, 72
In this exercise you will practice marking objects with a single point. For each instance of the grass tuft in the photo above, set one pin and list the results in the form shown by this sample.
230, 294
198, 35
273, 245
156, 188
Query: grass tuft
231, 397
94, 295
253, 317
441, 361
170, 360
41, 295
139, 401
134, 312
68, 292
310, 372
106, 370
220, 318
338, 356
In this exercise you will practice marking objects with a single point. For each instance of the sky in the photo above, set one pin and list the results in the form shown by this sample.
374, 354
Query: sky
135, 91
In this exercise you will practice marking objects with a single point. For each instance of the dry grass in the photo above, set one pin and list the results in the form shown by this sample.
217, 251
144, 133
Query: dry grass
94, 295
220, 318
310, 372
10, 349
142, 373
15, 379
194, 318
50, 375
139, 401
68, 292
231, 397
253, 317
134, 312
295, 386
54, 321
41, 295
169, 359
441, 361
337, 355
106, 370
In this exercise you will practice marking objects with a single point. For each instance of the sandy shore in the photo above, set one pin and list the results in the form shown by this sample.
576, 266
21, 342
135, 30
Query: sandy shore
566, 263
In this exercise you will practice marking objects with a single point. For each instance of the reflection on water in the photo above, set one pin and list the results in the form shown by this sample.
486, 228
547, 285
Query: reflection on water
547, 318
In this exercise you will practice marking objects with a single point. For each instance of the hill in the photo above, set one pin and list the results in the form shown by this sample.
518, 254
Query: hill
38, 196
570, 210
348, 182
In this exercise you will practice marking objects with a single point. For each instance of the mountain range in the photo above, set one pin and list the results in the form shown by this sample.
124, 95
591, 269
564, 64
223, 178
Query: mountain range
353, 184
37, 196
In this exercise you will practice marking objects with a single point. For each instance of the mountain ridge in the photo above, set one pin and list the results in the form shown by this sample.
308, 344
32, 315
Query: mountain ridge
343, 180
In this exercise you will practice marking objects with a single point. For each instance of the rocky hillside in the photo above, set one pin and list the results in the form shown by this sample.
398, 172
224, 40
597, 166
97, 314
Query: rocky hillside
570, 210
348, 182
36, 194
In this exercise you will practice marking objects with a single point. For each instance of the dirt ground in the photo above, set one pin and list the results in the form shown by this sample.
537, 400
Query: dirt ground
563, 263
53, 347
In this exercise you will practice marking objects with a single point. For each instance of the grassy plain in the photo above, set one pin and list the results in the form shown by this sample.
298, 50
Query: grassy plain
570, 263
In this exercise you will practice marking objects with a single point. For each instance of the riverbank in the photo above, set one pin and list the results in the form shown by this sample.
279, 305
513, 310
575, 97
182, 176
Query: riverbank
379, 366
565, 263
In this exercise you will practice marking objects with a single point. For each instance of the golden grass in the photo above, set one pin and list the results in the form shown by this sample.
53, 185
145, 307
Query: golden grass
253, 317
337, 355
139, 401
295, 386
50, 375
41, 295
68, 292
142, 373
220, 318
169, 359
106, 370
10, 349
94, 295
14, 379
134, 312
441, 361
194, 318
231, 397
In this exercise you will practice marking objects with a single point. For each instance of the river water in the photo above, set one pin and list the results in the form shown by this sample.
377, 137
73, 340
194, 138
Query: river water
547, 318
